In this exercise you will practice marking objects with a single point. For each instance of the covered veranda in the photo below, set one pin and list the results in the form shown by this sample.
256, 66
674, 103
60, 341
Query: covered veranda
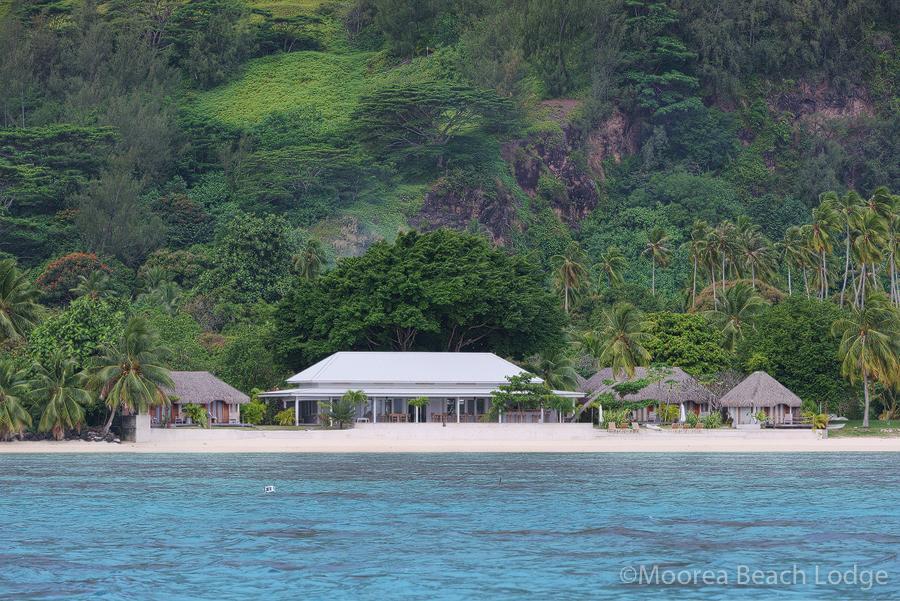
394, 406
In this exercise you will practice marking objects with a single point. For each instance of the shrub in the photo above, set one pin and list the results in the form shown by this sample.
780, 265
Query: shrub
197, 414
254, 412
61, 275
285, 418
692, 419
713, 420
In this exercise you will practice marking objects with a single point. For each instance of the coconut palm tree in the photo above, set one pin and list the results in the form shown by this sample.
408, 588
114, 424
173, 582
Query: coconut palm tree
13, 416
620, 340
658, 250
166, 296
96, 284
845, 207
697, 247
870, 345
571, 274
794, 252
869, 242
724, 243
825, 220
128, 375
893, 248
611, 263
19, 309
739, 308
356, 397
59, 386
555, 367
310, 260
757, 253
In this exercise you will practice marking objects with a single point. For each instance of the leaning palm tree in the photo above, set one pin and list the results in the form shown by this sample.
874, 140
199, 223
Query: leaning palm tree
611, 263
736, 312
620, 340
96, 284
658, 250
870, 346
59, 386
13, 416
19, 309
310, 260
571, 274
129, 375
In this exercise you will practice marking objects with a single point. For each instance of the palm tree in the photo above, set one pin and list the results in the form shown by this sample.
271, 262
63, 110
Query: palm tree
893, 248
724, 241
96, 284
845, 207
697, 247
128, 374
657, 248
166, 296
356, 397
611, 263
793, 251
19, 309
58, 384
310, 260
870, 345
13, 417
757, 251
869, 241
824, 222
570, 273
555, 367
620, 340
154, 276
739, 308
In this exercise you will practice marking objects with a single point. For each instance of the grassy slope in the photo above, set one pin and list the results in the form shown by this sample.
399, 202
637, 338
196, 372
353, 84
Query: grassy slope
330, 83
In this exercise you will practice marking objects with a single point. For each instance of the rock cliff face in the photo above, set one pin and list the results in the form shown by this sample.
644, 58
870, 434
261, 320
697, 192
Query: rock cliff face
573, 161
491, 209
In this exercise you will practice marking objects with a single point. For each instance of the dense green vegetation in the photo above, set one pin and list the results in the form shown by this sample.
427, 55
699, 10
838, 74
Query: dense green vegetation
710, 185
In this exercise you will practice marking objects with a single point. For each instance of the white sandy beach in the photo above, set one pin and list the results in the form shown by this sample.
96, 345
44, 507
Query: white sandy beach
623, 444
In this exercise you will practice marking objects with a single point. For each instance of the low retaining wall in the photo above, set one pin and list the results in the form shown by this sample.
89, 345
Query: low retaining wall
427, 431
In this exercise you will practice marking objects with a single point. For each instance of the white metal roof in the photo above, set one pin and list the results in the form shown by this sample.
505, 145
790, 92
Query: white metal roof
363, 368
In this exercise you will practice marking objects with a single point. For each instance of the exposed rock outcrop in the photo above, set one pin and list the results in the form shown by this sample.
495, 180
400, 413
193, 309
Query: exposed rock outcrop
454, 204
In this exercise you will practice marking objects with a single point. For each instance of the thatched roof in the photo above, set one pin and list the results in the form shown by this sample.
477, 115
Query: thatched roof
759, 389
675, 387
202, 387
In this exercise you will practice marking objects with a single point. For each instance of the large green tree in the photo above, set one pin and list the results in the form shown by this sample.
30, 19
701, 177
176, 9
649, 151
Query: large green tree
440, 291
686, 340
794, 339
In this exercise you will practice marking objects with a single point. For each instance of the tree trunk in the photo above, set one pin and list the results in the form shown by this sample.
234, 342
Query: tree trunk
694, 285
866, 396
653, 279
805, 282
790, 288
846, 264
112, 415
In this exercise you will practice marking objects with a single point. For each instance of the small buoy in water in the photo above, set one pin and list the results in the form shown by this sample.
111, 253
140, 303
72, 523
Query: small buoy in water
269, 489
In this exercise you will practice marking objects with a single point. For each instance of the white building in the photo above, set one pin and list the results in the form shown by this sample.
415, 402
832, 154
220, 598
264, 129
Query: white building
458, 386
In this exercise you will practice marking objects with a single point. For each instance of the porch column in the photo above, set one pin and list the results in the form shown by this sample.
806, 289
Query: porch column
374, 410
542, 414
296, 411
457, 409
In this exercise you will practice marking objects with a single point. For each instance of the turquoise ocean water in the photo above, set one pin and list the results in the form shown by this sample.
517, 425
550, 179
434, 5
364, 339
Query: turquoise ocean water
453, 526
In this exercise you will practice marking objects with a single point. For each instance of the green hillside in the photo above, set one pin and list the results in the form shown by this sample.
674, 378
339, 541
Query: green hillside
650, 152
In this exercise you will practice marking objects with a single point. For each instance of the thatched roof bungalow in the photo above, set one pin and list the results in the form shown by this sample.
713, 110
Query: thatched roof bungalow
675, 388
222, 401
761, 392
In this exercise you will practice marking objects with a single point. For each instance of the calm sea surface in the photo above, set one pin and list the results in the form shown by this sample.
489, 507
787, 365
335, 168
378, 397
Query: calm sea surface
449, 526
